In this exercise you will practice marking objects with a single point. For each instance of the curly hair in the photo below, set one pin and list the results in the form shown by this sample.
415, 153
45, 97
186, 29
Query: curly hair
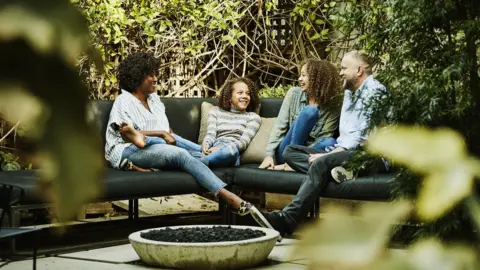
224, 99
133, 70
324, 82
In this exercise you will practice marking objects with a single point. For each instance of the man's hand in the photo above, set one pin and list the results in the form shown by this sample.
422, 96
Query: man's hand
214, 149
169, 138
267, 163
315, 156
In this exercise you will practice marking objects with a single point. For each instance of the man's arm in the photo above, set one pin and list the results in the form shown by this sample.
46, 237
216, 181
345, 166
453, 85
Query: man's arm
315, 156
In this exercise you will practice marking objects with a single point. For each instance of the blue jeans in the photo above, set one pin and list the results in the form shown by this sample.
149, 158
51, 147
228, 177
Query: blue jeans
324, 143
228, 155
161, 156
193, 148
299, 131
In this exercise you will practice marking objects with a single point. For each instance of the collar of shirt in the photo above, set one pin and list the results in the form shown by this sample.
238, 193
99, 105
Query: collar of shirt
130, 95
364, 85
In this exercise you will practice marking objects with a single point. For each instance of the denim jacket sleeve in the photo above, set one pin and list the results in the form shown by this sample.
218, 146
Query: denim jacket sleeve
281, 124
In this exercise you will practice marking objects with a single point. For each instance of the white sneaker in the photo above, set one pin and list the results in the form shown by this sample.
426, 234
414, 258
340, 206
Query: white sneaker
341, 175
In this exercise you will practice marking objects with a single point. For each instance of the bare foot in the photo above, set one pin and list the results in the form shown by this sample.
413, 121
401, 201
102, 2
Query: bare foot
127, 165
288, 168
138, 169
280, 167
133, 136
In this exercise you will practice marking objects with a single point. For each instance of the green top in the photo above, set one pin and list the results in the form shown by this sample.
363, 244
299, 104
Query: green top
293, 103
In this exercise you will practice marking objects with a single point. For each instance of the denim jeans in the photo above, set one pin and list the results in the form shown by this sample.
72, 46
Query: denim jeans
324, 143
299, 131
228, 155
193, 148
165, 156
317, 175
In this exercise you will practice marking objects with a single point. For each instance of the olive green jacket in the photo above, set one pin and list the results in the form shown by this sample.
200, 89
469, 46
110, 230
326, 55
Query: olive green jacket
293, 103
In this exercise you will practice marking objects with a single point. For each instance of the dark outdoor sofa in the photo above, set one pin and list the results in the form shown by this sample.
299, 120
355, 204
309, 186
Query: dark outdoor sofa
184, 117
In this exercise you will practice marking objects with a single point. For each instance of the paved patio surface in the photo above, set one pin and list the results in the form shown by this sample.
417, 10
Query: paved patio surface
123, 257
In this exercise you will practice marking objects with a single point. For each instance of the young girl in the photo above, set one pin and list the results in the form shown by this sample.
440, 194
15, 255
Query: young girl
309, 114
232, 126
230, 129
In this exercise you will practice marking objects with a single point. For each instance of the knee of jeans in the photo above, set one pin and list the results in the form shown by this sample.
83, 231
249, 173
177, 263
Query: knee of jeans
288, 151
329, 141
310, 111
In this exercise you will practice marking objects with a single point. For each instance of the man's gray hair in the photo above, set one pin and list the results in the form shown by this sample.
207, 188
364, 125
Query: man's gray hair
364, 59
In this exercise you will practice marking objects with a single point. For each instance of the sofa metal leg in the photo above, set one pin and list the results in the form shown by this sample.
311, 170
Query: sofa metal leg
35, 248
14, 217
316, 208
135, 208
14, 222
222, 211
130, 209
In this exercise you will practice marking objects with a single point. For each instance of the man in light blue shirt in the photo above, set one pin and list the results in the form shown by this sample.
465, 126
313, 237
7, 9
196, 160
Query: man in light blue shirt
361, 90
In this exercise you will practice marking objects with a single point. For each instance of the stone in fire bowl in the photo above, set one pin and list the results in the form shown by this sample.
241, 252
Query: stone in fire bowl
213, 255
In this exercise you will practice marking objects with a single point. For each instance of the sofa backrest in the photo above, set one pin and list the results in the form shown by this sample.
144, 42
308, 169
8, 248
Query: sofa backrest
183, 114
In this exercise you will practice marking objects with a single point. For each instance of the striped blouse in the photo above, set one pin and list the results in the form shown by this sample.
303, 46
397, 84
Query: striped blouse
129, 109
231, 127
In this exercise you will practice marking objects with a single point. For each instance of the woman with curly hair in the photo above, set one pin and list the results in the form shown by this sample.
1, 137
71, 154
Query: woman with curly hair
309, 114
232, 126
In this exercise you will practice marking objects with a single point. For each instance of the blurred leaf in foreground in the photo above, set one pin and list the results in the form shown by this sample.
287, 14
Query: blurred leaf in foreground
430, 255
38, 47
440, 155
345, 241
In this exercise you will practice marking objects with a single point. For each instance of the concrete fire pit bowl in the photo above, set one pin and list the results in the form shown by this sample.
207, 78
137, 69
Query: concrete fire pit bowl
213, 255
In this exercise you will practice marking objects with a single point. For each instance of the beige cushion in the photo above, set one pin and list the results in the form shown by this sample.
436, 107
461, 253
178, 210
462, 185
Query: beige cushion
206, 107
255, 151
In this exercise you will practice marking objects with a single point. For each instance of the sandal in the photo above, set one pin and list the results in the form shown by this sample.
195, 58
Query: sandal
126, 165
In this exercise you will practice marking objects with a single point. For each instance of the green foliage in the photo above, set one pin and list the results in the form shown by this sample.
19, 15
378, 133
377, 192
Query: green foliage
427, 54
174, 27
274, 92
359, 239
9, 162
40, 43
203, 43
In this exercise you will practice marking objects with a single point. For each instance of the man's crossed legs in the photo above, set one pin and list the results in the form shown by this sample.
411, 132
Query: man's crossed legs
315, 181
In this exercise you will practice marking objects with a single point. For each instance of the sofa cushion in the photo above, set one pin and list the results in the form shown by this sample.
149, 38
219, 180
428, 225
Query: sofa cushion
121, 185
184, 115
206, 108
255, 151
364, 188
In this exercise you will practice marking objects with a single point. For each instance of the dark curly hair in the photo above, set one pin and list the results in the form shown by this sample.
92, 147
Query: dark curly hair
223, 100
324, 82
133, 70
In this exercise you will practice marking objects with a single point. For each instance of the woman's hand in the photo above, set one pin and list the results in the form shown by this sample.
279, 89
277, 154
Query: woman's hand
169, 138
267, 163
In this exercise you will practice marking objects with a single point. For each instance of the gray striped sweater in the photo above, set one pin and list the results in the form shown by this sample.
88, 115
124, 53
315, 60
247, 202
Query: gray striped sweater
231, 128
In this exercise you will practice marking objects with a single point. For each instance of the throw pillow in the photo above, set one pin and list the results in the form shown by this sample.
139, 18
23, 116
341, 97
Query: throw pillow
255, 151
205, 109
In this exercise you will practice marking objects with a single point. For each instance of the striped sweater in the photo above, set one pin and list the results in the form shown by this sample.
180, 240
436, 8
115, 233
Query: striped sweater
231, 128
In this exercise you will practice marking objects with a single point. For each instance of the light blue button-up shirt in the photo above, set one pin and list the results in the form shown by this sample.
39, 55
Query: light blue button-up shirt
356, 113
